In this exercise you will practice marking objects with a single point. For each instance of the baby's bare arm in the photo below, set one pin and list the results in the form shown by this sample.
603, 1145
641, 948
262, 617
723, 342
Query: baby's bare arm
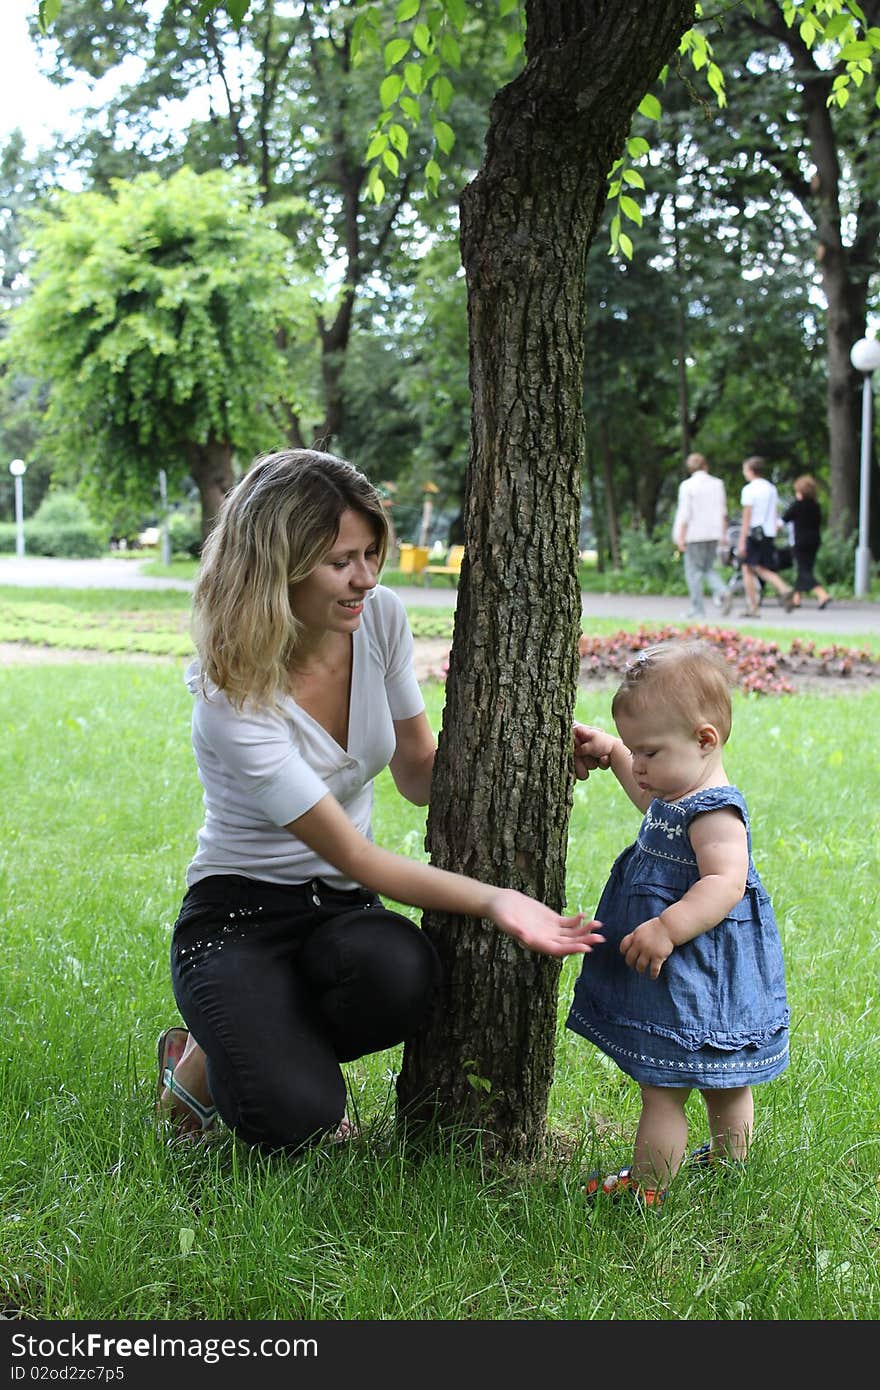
719, 842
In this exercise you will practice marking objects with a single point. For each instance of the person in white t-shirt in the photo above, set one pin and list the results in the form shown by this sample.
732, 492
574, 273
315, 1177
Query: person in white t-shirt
700, 532
284, 960
760, 522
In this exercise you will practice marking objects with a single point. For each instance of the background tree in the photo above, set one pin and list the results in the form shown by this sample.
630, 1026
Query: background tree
710, 337
822, 159
285, 97
153, 318
23, 183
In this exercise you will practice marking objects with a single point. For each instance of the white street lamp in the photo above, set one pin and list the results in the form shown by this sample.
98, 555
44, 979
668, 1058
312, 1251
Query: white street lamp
865, 357
18, 468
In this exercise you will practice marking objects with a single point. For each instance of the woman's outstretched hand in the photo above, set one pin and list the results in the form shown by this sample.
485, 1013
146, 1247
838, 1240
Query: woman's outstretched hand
539, 928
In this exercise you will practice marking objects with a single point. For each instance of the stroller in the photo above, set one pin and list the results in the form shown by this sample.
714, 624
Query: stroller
735, 586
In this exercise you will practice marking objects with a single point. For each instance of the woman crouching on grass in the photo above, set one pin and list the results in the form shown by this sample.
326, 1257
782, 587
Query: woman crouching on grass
284, 961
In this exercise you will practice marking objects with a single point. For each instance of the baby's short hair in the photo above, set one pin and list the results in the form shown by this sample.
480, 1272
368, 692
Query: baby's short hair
691, 680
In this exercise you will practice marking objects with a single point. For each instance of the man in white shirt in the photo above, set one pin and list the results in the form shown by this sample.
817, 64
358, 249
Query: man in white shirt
760, 523
700, 531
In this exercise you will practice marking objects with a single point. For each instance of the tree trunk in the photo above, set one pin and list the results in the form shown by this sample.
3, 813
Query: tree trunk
502, 787
210, 467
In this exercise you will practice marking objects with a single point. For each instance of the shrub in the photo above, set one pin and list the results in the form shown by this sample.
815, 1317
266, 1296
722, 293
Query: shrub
650, 565
185, 532
62, 526
836, 561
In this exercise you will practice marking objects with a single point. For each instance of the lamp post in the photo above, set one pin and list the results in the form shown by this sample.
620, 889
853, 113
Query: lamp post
865, 357
164, 531
18, 468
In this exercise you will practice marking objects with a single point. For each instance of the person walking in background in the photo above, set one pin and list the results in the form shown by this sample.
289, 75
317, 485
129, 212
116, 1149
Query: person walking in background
760, 522
688, 990
699, 532
805, 517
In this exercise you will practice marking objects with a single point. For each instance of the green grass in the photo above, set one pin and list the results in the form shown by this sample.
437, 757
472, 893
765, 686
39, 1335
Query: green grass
156, 622
99, 805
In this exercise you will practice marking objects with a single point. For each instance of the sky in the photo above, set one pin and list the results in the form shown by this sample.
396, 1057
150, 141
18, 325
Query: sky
28, 100
31, 102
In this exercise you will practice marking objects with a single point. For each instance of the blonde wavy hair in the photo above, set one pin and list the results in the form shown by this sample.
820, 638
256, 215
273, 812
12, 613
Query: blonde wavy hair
273, 528
689, 680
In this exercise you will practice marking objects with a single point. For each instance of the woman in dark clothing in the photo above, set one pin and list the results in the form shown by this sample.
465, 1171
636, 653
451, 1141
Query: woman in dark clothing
805, 516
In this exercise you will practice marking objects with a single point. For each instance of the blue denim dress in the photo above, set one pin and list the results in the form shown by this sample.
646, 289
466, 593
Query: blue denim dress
717, 1014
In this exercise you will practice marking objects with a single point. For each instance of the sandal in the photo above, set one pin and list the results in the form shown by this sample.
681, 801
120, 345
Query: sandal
169, 1050
706, 1157
622, 1181
344, 1132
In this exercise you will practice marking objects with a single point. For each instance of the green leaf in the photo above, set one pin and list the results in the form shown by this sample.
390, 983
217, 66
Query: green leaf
636, 145
513, 45
649, 106
630, 208
835, 26
390, 90
415, 78
444, 135
378, 143
626, 246
394, 51
854, 52
398, 137
457, 12
48, 12
406, 9
506, 7
450, 50
423, 39
442, 91
410, 107
634, 178
390, 160
715, 78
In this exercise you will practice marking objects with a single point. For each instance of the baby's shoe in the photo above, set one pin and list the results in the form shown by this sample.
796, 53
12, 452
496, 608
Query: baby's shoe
706, 1157
619, 1183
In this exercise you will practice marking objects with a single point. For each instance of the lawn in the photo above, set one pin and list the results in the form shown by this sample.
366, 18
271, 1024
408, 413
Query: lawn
99, 804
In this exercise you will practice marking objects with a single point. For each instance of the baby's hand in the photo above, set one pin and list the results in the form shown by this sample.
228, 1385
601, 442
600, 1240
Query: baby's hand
646, 948
592, 749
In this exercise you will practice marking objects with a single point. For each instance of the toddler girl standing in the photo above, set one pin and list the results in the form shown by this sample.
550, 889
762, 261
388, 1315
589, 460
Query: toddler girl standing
689, 988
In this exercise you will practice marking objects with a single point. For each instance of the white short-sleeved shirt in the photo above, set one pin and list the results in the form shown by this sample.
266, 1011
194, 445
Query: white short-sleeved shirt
262, 768
761, 495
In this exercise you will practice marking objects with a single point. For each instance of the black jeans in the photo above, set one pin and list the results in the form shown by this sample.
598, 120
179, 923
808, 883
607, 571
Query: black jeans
278, 985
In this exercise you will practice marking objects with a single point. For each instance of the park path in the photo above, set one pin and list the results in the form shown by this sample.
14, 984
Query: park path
850, 616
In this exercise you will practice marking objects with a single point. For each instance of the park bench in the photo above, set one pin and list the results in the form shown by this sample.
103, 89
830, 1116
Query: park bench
452, 566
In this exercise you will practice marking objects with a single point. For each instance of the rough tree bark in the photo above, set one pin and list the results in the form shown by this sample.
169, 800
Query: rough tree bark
502, 787
210, 467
